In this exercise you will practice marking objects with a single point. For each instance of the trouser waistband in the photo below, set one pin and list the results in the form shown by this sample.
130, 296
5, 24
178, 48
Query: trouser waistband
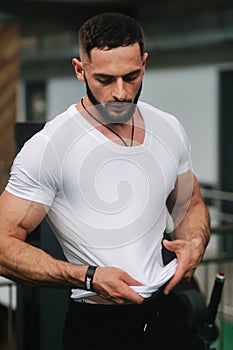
133, 313
154, 295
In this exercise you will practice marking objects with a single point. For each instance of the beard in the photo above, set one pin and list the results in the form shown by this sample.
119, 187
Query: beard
117, 112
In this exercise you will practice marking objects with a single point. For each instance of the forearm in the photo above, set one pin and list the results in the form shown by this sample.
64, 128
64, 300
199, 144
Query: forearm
29, 265
23, 263
191, 230
189, 212
195, 225
191, 238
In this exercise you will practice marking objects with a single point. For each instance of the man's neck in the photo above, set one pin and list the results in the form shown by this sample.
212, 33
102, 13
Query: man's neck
124, 130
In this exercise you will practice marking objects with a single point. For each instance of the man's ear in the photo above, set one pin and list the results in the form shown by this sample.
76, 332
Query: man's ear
78, 68
144, 59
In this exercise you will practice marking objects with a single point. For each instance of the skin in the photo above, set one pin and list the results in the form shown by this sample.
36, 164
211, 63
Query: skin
113, 75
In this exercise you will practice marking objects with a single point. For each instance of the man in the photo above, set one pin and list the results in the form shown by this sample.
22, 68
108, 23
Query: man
104, 173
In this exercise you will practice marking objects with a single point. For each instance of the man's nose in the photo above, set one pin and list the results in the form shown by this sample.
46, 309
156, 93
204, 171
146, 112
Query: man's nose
119, 92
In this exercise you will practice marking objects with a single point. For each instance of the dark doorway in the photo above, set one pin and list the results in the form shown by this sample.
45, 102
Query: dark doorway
226, 147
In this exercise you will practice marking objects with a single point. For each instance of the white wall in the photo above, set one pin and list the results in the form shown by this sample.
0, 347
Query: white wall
5, 295
62, 92
192, 95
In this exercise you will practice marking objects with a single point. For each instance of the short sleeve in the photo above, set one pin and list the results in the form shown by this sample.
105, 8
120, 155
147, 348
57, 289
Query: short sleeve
34, 172
185, 163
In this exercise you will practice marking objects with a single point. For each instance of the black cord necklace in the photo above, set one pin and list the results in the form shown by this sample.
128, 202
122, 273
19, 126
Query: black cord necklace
107, 127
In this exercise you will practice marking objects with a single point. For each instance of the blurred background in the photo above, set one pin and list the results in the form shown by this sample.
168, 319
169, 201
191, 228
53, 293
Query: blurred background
189, 74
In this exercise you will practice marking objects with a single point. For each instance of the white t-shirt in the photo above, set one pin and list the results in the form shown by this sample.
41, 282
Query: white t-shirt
107, 201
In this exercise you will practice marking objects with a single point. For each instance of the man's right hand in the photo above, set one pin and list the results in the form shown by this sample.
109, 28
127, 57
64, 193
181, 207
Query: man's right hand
113, 287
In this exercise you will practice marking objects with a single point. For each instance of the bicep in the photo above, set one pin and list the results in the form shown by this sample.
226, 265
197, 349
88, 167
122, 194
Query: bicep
19, 217
179, 199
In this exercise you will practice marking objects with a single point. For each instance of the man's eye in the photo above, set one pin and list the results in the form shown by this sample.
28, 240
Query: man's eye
105, 81
130, 77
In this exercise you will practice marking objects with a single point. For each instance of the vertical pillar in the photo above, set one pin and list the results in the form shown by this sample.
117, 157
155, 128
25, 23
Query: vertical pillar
9, 76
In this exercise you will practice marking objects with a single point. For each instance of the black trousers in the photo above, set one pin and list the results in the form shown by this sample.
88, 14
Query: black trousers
160, 324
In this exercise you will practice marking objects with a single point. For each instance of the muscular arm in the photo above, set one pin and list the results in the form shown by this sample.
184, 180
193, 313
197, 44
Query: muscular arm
191, 227
25, 263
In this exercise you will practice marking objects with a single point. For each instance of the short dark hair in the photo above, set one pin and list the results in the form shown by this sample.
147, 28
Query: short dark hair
110, 30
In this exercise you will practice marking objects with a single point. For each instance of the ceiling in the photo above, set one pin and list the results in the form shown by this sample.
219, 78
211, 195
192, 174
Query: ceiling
175, 26
66, 13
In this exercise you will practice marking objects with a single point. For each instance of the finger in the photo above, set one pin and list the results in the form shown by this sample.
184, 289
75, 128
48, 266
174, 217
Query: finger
133, 282
134, 298
172, 245
174, 280
127, 295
